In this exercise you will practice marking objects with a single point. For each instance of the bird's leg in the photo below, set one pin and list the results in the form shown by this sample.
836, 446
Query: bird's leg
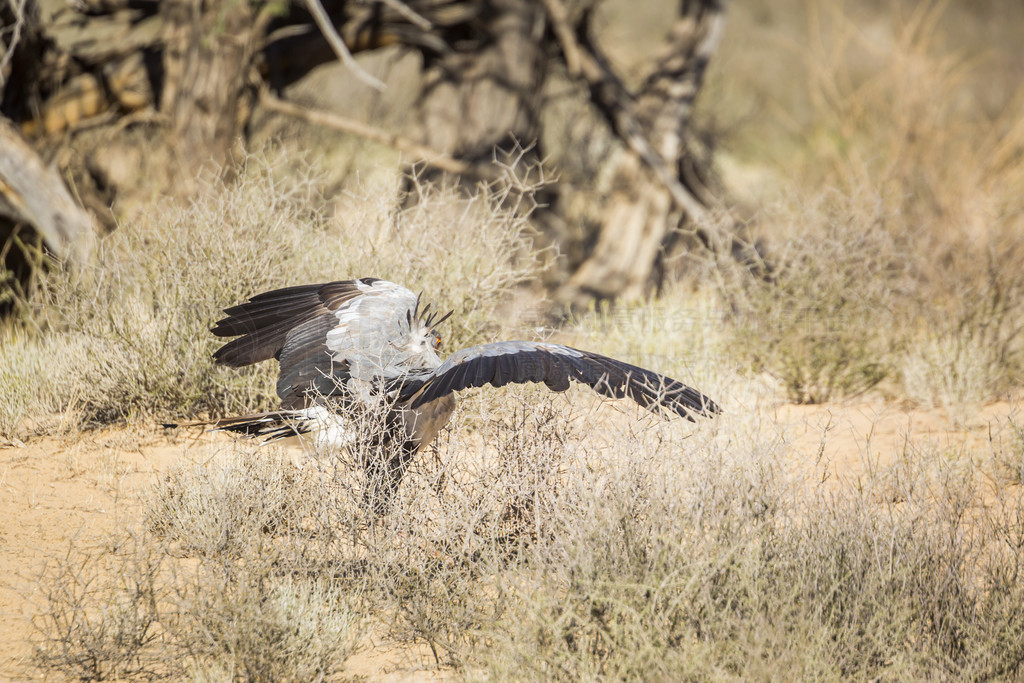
385, 467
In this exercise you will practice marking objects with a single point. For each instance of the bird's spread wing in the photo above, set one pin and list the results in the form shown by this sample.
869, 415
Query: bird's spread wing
520, 362
324, 335
263, 322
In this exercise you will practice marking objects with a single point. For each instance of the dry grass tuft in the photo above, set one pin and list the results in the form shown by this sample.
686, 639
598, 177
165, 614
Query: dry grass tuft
1006, 441
544, 541
129, 338
899, 258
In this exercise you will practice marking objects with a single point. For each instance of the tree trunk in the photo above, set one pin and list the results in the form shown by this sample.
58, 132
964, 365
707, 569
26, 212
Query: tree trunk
637, 214
474, 101
208, 53
654, 191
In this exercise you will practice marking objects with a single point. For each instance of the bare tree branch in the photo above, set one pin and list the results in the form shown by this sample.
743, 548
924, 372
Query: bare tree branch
617, 103
323, 21
409, 13
98, 8
32, 192
559, 17
419, 153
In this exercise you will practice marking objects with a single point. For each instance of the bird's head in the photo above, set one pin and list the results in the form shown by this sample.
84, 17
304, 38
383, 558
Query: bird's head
424, 339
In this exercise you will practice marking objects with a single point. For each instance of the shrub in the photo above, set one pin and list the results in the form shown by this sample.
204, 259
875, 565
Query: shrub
540, 542
136, 323
822, 322
233, 623
730, 581
100, 617
898, 256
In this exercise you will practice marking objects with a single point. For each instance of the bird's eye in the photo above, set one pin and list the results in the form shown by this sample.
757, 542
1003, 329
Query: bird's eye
437, 340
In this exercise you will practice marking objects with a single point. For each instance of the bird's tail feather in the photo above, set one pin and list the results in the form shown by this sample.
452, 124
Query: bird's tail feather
277, 424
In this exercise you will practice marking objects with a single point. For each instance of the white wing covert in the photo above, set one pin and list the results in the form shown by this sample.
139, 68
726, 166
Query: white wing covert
341, 334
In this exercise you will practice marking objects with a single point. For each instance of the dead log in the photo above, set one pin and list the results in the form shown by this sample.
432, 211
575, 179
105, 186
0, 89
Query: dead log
35, 206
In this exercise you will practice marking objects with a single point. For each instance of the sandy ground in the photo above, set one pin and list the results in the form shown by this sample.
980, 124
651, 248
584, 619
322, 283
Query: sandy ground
59, 493
55, 493
850, 443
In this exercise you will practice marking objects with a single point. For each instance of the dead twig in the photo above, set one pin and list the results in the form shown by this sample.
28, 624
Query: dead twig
418, 152
559, 17
323, 21
409, 13
18, 9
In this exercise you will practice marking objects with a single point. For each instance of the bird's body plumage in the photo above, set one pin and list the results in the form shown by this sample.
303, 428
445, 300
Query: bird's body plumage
350, 346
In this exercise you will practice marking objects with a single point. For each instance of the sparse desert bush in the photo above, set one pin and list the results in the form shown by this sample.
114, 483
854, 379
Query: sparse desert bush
229, 581
663, 580
470, 514
547, 542
100, 616
246, 623
216, 508
898, 255
822, 321
129, 337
